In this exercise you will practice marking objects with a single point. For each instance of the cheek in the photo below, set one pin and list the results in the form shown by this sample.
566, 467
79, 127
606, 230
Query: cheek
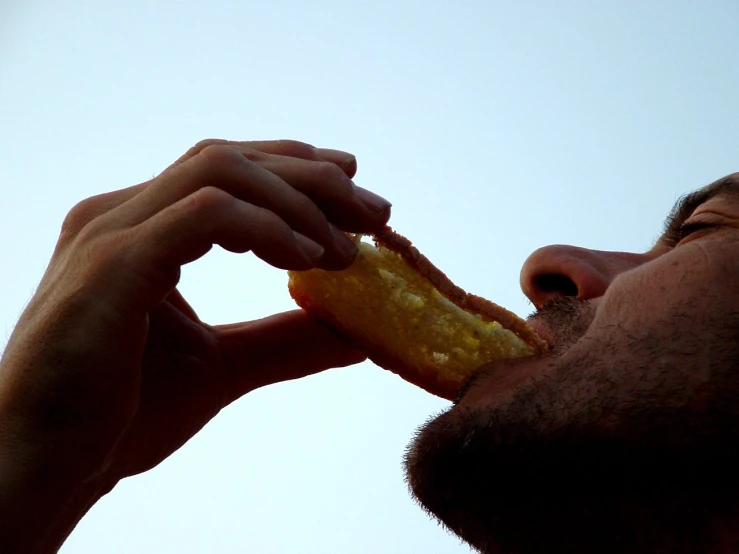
659, 326
670, 290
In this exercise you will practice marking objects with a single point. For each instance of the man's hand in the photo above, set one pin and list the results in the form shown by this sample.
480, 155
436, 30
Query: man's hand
109, 370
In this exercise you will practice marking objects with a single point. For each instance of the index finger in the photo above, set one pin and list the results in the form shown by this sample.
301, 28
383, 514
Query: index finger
283, 147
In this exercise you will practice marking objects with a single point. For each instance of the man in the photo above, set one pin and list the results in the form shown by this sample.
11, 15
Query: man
621, 439
626, 437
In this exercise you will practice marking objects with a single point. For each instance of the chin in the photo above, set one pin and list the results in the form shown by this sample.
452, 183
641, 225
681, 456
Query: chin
506, 485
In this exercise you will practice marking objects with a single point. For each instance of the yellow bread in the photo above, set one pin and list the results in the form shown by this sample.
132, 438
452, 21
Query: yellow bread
410, 318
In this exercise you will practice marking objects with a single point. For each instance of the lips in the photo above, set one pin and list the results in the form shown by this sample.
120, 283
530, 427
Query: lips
502, 375
544, 331
496, 381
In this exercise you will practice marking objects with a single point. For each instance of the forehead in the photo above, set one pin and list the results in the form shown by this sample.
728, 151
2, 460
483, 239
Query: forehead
725, 188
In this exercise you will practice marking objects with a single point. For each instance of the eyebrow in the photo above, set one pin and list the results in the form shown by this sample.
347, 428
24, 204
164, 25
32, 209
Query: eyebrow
687, 204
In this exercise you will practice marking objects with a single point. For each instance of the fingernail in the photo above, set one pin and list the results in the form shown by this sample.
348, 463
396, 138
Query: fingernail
374, 202
311, 248
344, 243
349, 166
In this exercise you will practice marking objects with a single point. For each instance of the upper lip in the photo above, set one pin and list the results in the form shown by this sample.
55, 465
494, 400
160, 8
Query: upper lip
539, 325
542, 329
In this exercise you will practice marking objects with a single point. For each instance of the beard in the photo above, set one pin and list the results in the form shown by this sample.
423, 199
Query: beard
624, 443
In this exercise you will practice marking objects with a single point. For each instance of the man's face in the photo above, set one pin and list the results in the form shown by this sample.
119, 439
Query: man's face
625, 437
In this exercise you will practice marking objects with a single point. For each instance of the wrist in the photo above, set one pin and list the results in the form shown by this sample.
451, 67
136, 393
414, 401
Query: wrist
45, 489
40, 506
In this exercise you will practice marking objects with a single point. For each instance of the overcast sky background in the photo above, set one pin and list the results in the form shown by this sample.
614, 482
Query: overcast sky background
493, 127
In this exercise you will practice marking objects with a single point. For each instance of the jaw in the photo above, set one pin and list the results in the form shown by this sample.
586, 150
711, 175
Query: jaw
504, 490
521, 464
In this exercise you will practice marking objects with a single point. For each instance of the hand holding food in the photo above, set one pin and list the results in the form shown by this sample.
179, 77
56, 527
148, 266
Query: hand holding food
110, 370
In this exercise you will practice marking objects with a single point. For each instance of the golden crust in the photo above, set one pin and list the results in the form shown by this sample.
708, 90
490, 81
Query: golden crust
312, 290
426, 376
489, 311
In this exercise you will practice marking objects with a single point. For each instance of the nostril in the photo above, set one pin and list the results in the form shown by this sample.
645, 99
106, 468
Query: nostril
556, 283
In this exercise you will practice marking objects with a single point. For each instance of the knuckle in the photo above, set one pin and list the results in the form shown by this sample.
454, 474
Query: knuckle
203, 144
253, 155
296, 149
215, 156
329, 172
81, 215
260, 217
207, 199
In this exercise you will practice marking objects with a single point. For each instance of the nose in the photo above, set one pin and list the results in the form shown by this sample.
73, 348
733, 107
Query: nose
558, 271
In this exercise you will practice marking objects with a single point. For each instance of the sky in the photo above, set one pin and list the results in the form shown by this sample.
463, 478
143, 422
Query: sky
493, 127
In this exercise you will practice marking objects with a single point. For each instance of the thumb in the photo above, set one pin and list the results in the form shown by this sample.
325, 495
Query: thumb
279, 348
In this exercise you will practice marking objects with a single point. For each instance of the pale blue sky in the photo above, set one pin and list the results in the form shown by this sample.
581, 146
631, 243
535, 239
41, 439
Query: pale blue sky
494, 127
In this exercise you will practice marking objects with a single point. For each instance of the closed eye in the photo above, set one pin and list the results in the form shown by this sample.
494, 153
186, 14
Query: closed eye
676, 236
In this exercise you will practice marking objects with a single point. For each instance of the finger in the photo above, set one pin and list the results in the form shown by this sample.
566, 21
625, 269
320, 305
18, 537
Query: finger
87, 210
346, 161
176, 299
348, 206
91, 208
188, 337
279, 348
291, 148
224, 168
185, 231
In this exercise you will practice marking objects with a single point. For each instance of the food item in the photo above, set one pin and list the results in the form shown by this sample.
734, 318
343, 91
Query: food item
410, 318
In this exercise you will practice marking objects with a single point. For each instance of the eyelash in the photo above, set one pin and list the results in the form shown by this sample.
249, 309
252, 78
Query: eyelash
685, 230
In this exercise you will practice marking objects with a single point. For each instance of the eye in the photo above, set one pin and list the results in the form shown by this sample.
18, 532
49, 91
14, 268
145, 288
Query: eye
687, 229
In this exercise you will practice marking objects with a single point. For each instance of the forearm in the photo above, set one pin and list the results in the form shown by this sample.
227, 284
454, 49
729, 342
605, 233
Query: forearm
46, 485
37, 521
41, 501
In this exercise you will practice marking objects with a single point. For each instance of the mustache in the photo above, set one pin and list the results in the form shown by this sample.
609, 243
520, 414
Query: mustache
563, 320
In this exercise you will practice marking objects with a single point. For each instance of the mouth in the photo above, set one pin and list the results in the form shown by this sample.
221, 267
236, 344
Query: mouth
543, 330
501, 375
